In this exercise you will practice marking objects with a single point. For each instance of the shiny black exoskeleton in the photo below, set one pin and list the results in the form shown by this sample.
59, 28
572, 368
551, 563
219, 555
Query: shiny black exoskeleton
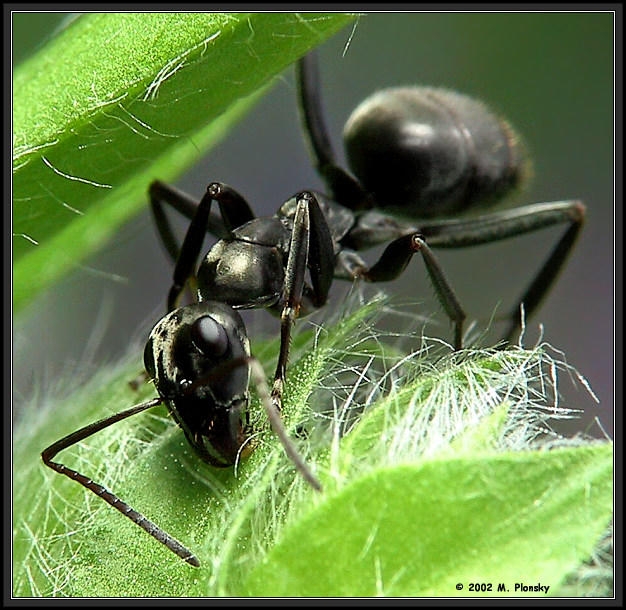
468, 158
185, 355
419, 157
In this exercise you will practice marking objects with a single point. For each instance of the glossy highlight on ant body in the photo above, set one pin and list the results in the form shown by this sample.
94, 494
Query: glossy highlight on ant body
419, 157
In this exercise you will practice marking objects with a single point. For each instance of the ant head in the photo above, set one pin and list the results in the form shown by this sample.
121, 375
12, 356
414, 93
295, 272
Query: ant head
198, 357
200, 351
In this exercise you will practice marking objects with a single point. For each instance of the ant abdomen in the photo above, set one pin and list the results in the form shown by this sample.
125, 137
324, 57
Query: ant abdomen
427, 152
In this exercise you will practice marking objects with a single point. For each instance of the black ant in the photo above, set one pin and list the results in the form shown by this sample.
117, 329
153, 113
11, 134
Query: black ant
421, 153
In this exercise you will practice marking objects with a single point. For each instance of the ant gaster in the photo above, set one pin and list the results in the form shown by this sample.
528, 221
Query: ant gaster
416, 154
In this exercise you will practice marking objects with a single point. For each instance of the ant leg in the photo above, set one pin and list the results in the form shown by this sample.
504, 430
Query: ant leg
393, 262
190, 250
343, 187
509, 223
292, 293
219, 224
321, 259
310, 235
234, 211
273, 414
161, 193
75, 437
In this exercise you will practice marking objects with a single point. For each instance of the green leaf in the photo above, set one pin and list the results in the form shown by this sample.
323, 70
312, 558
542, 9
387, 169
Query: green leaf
118, 99
439, 484
419, 529
433, 466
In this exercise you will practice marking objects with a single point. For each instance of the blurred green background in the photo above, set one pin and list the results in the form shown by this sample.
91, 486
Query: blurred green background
550, 74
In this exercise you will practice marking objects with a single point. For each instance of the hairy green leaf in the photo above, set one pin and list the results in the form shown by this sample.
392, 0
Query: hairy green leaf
435, 466
416, 530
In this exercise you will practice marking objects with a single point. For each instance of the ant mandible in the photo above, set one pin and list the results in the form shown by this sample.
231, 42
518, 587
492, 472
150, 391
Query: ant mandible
419, 157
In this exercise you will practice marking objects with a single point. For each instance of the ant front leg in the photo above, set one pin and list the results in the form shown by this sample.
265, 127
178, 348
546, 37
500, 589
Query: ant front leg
161, 193
273, 414
311, 246
234, 211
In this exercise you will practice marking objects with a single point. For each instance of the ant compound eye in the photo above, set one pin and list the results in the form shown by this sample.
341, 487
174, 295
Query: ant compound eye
209, 337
